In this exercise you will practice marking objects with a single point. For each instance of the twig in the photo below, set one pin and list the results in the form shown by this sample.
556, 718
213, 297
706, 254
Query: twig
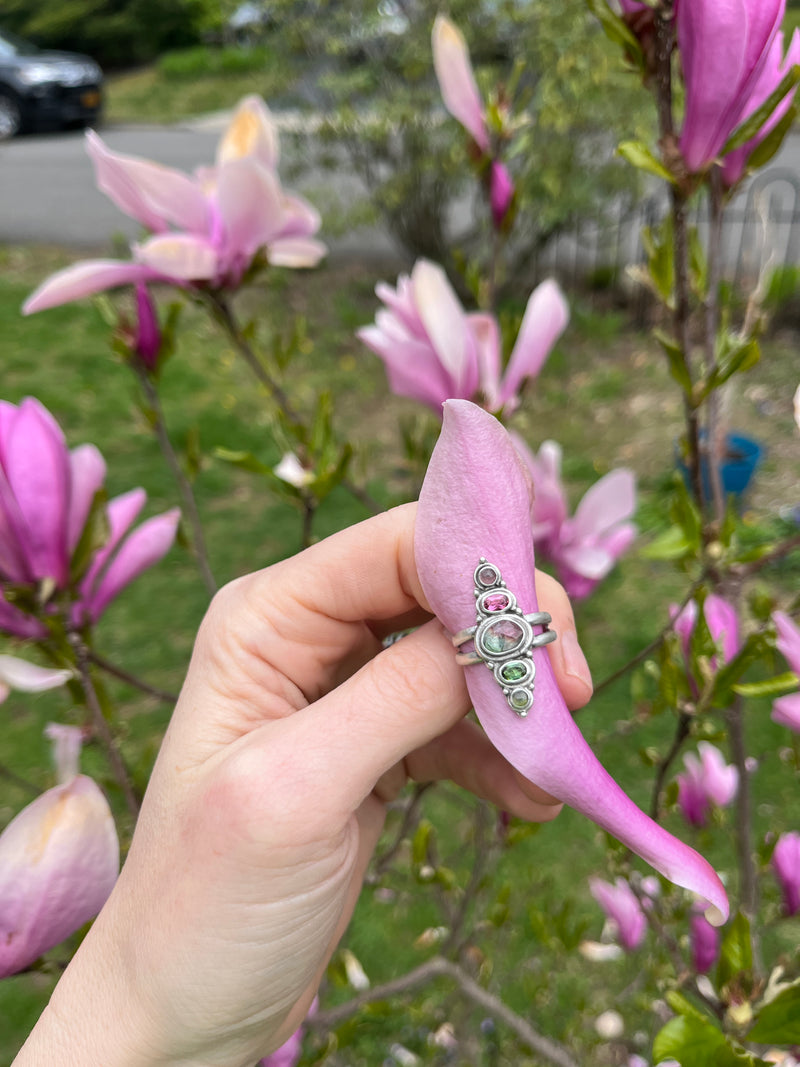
654, 644
681, 733
409, 818
455, 941
745, 570
748, 890
711, 325
102, 728
438, 967
225, 316
183, 483
130, 679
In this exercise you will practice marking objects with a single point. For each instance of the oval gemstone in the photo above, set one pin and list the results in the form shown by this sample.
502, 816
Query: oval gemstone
488, 575
513, 672
520, 700
496, 602
502, 637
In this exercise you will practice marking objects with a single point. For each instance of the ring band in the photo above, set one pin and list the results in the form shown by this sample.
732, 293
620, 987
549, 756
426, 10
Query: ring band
503, 637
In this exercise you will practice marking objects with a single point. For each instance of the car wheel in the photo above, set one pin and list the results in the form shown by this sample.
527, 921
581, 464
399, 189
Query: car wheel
10, 117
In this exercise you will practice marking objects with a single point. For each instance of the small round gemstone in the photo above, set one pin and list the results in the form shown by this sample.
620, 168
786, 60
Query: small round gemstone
513, 672
502, 637
488, 575
520, 700
496, 602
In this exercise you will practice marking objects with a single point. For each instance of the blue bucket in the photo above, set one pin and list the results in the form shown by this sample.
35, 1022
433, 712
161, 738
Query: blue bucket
740, 462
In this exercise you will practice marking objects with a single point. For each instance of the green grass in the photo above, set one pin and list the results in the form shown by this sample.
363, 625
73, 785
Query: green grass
606, 397
200, 80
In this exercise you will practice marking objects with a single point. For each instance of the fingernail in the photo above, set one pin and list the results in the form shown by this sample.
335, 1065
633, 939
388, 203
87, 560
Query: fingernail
574, 661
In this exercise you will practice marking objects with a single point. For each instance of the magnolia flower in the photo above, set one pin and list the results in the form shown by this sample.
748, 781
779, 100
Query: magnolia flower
434, 351
786, 710
584, 548
46, 497
704, 939
59, 860
623, 911
456, 80
292, 471
501, 193
706, 781
786, 864
476, 502
28, 677
147, 339
723, 625
724, 50
208, 227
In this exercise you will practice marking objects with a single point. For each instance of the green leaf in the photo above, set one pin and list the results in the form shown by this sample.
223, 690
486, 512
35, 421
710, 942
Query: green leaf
420, 842
782, 683
750, 127
778, 1023
245, 460
681, 1005
764, 152
96, 532
734, 356
616, 29
697, 1042
736, 951
639, 155
672, 544
676, 359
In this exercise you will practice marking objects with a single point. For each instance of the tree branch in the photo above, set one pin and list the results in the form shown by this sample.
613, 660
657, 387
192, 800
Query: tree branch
439, 967
130, 679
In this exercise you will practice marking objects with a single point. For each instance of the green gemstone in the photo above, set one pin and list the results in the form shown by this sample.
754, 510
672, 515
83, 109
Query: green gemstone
520, 699
512, 672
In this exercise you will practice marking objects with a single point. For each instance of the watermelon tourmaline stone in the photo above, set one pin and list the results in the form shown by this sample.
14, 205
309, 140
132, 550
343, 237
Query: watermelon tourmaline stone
502, 637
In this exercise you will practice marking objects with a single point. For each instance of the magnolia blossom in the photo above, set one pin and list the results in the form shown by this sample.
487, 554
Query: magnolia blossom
59, 860
623, 911
704, 940
786, 864
730, 65
723, 625
292, 471
476, 503
584, 548
208, 227
704, 782
28, 677
435, 351
147, 339
46, 497
786, 710
463, 100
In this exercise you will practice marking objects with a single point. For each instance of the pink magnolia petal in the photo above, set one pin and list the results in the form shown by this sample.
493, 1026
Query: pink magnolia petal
88, 472
251, 133
456, 80
723, 625
37, 468
609, 501
296, 252
410, 368
786, 864
446, 325
301, 218
462, 516
144, 547
545, 319
152, 194
85, 279
121, 513
720, 780
501, 193
786, 711
623, 908
15, 622
178, 258
486, 332
30, 677
250, 203
59, 860
788, 643
67, 744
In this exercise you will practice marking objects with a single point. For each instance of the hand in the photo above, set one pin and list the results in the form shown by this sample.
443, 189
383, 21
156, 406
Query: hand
293, 730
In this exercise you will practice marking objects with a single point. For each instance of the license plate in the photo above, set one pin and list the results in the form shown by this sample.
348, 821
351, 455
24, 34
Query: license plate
90, 99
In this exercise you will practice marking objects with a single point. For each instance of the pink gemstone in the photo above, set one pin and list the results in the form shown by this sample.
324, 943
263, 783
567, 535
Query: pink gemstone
496, 602
488, 575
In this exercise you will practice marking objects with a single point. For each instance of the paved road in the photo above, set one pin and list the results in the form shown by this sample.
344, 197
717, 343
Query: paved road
47, 192
48, 196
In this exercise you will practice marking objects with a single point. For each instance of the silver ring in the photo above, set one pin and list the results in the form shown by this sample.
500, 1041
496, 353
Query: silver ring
503, 638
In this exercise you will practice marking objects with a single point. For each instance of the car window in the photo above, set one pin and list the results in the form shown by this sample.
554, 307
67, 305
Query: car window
11, 45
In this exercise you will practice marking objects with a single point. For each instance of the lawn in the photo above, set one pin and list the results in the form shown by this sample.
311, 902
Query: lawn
606, 396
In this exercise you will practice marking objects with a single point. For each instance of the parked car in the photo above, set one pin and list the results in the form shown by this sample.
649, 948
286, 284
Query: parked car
39, 88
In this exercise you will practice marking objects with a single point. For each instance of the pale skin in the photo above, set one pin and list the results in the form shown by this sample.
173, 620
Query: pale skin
293, 730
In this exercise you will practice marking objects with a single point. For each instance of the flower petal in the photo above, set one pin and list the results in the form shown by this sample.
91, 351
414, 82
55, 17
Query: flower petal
251, 206
475, 502
786, 711
545, 319
121, 513
250, 133
178, 258
723, 625
456, 80
88, 472
446, 325
144, 547
30, 677
59, 859
788, 643
84, 279
296, 252
152, 194
609, 501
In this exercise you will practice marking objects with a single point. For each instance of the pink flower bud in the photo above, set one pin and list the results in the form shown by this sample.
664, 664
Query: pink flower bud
705, 943
148, 336
501, 193
786, 864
